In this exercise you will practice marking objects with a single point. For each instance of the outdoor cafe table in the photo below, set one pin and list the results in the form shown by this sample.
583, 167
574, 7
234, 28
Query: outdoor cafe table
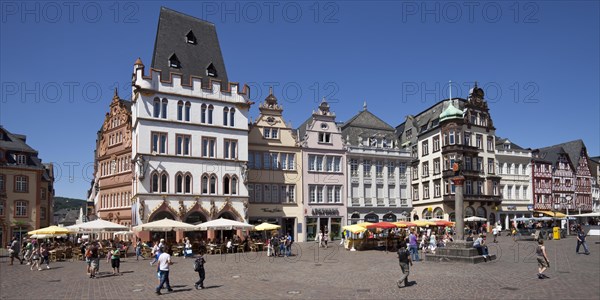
260, 246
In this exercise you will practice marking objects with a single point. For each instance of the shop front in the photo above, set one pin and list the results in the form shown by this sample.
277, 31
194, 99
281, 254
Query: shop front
324, 219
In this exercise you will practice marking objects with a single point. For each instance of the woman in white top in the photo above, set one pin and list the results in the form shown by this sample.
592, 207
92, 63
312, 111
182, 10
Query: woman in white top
432, 243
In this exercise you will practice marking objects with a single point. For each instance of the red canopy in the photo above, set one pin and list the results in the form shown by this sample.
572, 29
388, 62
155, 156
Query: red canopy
444, 223
382, 225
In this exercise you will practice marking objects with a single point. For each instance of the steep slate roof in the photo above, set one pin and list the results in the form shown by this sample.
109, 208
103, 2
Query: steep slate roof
572, 149
302, 128
427, 116
171, 39
14, 142
367, 123
500, 142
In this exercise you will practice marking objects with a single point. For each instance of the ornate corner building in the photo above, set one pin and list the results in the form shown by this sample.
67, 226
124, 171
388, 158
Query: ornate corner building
109, 197
26, 187
452, 130
190, 129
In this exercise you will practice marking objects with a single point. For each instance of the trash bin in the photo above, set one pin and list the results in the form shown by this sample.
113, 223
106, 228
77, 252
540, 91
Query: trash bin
556, 233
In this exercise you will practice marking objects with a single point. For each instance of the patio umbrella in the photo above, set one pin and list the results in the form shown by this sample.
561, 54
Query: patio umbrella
364, 224
46, 236
475, 219
100, 225
444, 223
382, 225
423, 223
404, 224
266, 226
50, 230
165, 225
355, 228
223, 224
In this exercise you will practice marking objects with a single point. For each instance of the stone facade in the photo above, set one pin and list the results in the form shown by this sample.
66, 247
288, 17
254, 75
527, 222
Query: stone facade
110, 194
376, 171
275, 173
26, 188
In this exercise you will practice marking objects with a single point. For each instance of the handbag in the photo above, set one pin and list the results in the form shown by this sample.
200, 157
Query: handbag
188, 251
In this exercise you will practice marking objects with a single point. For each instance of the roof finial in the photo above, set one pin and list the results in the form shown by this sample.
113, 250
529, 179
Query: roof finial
323, 100
271, 90
365, 105
116, 93
450, 89
476, 83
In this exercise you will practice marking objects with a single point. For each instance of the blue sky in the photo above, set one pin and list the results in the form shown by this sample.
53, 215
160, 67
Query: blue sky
537, 61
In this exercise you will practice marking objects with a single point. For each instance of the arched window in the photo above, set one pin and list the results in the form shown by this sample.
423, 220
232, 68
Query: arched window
204, 184
213, 184
481, 212
164, 181
178, 183
163, 113
210, 114
232, 117
427, 214
354, 218
154, 182
203, 113
225, 115
373, 218
188, 183
234, 183
179, 110
438, 213
156, 108
226, 185
492, 218
469, 212
188, 107
389, 217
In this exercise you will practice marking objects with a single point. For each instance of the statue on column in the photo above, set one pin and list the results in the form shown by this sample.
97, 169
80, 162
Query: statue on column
246, 210
457, 168
245, 172
213, 209
141, 210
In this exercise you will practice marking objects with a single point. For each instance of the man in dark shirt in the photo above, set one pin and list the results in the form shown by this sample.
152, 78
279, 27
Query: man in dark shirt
581, 240
405, 261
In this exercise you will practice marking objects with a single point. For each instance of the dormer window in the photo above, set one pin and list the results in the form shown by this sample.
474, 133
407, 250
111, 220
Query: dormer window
507, 146
190, 38
211, 71
174, 62
21, 159
373, 142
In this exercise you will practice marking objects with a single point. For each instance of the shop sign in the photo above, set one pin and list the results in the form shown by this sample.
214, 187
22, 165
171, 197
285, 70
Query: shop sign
325, 212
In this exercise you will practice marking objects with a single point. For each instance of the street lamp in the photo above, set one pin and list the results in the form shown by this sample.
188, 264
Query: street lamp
566, 201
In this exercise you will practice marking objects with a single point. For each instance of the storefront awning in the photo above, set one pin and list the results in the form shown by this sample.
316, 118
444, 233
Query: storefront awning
554, 214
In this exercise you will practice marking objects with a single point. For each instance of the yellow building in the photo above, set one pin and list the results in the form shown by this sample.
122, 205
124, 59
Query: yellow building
274, 177
26, 187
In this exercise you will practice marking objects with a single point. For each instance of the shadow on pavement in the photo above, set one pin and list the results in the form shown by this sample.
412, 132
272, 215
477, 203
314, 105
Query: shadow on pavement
213, 286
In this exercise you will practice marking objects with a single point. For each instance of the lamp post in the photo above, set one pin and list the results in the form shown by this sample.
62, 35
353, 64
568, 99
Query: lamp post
566, 201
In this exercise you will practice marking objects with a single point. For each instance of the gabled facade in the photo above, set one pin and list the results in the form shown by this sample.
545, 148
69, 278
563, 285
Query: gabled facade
376, 171
323, 173
514, 165
26, 187
190, 140
594, 165
571, 186
110, 194
453, 130
275, 171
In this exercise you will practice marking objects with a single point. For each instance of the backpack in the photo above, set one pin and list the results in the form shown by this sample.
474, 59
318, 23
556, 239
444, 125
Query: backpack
198, 264
88, 253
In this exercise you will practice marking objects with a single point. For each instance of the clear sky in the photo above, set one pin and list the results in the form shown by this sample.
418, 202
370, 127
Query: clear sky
538, 63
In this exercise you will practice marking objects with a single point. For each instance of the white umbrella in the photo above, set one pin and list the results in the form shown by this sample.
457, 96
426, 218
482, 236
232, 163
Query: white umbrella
223, 224
592, 214
123, 233
475, 219
100, 225
165, 225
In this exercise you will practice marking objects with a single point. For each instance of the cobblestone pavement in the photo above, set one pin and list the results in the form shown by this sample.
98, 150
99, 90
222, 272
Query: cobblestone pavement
325, 273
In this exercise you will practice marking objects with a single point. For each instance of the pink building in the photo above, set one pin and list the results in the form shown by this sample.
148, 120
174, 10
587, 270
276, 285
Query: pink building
323, 173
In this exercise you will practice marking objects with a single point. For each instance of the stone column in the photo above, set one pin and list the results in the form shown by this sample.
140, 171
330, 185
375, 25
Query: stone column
458, 207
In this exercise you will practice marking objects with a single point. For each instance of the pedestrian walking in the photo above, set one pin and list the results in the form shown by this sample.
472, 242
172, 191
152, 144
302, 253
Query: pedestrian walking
187, 248
115, 261
413, 246
95, 258
164, 264
581, 240
542, 259
495, 233
343, 237
138, 250
432, 243
325, 238
14, 250
44, 252
35, 258
319, 238
155, 251
199, 267
405, 261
